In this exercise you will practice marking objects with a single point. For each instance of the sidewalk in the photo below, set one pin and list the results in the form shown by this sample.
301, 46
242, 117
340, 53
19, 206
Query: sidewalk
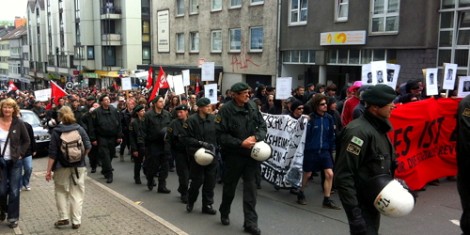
104, 212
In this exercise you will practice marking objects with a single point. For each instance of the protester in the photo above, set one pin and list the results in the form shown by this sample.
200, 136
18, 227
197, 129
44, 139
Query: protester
239, 126
69, 182
27, 161
14, 142
319, 147
137, 140
365, 152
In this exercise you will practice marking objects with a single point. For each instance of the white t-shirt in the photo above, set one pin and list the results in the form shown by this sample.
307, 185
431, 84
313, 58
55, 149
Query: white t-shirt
3, 138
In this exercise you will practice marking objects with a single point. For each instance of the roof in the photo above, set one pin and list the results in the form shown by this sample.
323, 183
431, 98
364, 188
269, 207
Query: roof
16, 33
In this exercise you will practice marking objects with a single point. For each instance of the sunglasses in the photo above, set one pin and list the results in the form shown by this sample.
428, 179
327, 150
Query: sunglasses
300, 108
321, 104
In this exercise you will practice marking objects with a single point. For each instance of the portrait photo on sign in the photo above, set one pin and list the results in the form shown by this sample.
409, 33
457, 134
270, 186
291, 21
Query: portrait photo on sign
393, 70
379, 71
210, 92
464, 87
366, 75
450, 75
431, 81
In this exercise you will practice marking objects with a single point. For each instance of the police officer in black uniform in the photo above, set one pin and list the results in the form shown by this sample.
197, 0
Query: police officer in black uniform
157, 154
106, 133
174, 137
365, 153
239, 126
137, 140
200, 132
463, 161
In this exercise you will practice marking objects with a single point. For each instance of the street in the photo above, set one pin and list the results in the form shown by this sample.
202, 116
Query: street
437, 210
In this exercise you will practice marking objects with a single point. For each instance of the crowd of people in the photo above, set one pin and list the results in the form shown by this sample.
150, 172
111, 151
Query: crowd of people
165, 133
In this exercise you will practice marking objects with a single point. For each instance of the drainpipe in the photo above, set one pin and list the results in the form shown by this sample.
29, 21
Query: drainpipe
278, 40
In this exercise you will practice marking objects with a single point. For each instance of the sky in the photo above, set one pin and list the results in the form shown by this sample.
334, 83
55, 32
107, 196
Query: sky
11, 8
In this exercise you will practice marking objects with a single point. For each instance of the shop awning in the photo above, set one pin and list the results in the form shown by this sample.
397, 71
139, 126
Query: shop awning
109, 74
90, 75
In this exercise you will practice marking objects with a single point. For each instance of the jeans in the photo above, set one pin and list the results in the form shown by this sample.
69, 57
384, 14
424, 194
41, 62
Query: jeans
27, 170
9, 190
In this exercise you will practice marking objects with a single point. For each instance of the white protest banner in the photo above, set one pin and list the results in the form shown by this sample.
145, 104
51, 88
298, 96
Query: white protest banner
169, 79
126, 84
286, 136
43, 95
283, 88
450, 74
186, 81
210, 92
207, 71
178, 83
431, 81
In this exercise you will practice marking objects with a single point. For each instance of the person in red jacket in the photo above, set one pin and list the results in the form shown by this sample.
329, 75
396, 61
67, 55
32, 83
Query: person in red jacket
351, 103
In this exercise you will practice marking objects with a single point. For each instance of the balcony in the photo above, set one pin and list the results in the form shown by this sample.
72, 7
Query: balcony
111, 13
111, 39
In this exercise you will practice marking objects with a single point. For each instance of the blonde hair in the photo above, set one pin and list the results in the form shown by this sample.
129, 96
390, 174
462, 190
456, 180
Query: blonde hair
9, 102
66, 115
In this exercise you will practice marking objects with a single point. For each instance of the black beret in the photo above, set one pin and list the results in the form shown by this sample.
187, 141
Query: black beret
203, 102
239, 86
90, 98
184, 98
380, 95
138, 108
156, 99
181, 107
102, 97
411, 85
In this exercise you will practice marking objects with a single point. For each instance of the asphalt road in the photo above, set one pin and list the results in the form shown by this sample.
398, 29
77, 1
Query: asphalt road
437, 210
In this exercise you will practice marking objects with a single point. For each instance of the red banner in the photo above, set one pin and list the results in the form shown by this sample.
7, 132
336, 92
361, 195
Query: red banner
424, 137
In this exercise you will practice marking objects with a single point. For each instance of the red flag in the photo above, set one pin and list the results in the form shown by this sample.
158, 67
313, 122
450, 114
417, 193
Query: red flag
11, 87
157, 86
57, 92
150, 78
197, 87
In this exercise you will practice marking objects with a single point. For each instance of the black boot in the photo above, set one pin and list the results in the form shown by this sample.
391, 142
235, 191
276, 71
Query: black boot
137, 180
207, 209
150, 183
109, 179
162, 187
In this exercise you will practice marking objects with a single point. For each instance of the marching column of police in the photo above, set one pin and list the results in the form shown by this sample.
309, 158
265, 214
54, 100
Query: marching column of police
365, 152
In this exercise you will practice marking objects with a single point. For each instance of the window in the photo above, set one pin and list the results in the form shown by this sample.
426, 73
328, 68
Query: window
90, 53
235, 3
298, 57
235, 39
385, 14
146, 54
194, 42
216, 5
180, 42
193, 7
256, 39
341, 10
216, 41
257, 2
179, 7
145, 31
298, 12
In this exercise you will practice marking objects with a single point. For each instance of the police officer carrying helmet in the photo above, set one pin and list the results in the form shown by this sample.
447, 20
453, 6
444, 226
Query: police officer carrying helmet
157, 154
200, 132
365, 152
463, 173
239, 125
106, 133
174, 137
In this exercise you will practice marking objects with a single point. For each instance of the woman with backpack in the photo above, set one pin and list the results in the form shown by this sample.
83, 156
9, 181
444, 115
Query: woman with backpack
67, 150
14, 141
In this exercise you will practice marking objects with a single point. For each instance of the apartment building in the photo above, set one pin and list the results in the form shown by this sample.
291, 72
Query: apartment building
88, 41
240, 37
400, 32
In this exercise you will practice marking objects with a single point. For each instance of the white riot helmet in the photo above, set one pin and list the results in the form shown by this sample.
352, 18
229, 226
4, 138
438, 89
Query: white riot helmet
261, 151
392, 198
203, 156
